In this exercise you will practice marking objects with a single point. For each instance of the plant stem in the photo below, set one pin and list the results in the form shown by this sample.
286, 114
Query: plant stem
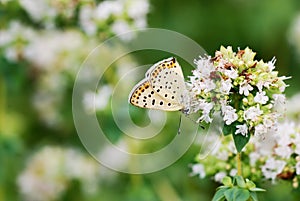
2, 104
239, 163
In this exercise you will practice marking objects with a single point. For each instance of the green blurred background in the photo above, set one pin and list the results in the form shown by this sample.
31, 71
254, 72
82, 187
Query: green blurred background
269, 27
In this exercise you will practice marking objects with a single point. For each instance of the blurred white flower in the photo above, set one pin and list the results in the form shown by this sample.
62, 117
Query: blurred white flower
138, 8
107, 8
283, 151
43, 179
140, 23
113, 157
219, 176
254, 156
279, 102
39, 10
97, 101
86, 20
122, 28
298, 168
260, 130
14, 39
55, 47
272, 168
49, 171
233, 172
293, 106
198, 169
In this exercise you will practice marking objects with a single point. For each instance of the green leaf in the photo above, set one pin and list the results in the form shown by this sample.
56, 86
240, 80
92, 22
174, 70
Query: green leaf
227, 181
219, 195
237, 194
240, 181
253, 196
240, 141
250, 184
257, 189
227, 129
223, 187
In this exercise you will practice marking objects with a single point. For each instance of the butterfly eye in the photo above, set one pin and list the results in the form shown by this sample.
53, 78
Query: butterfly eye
186, 111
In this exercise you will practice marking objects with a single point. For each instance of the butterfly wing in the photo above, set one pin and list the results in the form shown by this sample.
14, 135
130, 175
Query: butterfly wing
144, 96
167, 80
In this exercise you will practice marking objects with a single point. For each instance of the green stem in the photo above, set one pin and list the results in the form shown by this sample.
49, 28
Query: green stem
2, 104
239, 164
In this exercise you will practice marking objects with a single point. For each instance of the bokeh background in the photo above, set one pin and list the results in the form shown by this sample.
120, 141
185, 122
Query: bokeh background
42, 45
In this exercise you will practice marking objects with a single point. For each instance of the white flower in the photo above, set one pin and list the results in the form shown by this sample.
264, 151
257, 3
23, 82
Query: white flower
206, 108
140, 23
11, 54
271, 64
279, 102
86, 19
204, 67
252, 113
225, 86
284, 151
245, 88
261, 97
138, 8
198, 169
263, 83
272, 168
97, 101
43, 177
219, 176
222, 155
229, 114
254, 156
260, 130
233, 172
298, 168
231, 73
107, 8
49, 171
208, 85
285, 130
242, 129
39, 10
122, 29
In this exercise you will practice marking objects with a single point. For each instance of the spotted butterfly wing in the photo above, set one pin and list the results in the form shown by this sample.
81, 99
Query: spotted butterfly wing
167, 80
150, 92
144, 96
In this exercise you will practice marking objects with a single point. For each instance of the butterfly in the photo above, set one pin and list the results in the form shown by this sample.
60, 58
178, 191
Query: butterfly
163, 87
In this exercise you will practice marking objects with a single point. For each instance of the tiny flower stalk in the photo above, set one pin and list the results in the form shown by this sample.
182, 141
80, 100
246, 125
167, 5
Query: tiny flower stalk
239, 163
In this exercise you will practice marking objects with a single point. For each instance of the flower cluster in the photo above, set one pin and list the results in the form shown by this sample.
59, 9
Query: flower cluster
117, 16
274, 158
50, 170
53, 55
247, 92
